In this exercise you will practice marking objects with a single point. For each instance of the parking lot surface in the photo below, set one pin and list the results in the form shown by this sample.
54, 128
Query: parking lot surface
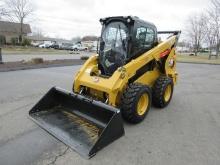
185, 132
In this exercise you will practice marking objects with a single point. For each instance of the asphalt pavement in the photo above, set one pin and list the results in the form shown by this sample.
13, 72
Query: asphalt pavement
185, 132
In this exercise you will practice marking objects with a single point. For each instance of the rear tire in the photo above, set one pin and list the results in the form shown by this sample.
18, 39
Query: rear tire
162, 92
136, 102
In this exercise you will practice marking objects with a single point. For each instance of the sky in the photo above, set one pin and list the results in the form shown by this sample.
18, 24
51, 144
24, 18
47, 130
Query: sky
71, 18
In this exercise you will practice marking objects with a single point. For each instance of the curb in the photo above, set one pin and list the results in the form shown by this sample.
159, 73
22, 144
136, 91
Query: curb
39, 66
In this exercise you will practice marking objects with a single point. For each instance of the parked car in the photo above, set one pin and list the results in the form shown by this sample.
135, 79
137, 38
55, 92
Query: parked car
78, 47
191, 54
213, 53
66, 46
55, 46
34, 44
44, 45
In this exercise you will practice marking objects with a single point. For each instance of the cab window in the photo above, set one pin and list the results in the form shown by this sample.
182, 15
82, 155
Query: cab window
143, 40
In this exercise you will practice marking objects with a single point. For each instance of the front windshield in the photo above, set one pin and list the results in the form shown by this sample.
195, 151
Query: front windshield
113, 46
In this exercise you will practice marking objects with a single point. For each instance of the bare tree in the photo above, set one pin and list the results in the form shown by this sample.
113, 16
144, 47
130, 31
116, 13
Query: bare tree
210, 32
18, 11
3, 12
214, 21
195, 30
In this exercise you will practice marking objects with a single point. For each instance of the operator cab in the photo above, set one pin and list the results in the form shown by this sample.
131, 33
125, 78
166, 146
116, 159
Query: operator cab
123, 39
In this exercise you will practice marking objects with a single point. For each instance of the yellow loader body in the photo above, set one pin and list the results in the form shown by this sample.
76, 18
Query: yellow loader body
113, 86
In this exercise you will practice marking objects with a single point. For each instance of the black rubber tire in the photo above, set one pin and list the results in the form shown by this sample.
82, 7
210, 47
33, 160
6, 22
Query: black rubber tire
159, 91
130, 100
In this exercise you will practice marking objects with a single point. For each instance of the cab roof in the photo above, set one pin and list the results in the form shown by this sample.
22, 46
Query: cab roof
125, 20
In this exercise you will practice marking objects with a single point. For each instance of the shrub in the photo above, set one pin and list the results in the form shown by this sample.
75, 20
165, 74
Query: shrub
14, 40
26, 42
37, 60
84, 57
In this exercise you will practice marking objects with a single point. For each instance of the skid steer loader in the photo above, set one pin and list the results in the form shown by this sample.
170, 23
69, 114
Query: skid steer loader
132, 68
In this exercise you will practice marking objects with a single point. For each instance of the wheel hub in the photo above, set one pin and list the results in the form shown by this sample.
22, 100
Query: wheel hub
167, 93
142, 104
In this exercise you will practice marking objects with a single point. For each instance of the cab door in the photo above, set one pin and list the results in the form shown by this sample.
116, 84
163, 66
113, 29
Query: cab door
143, 39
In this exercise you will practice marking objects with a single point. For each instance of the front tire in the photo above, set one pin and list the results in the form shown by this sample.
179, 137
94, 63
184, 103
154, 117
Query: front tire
162, 92
135, 102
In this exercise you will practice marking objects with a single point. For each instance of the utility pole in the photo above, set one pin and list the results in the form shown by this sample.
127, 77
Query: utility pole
1, 62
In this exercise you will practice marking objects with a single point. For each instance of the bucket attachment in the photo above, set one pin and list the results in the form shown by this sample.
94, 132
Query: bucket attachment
83, 124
